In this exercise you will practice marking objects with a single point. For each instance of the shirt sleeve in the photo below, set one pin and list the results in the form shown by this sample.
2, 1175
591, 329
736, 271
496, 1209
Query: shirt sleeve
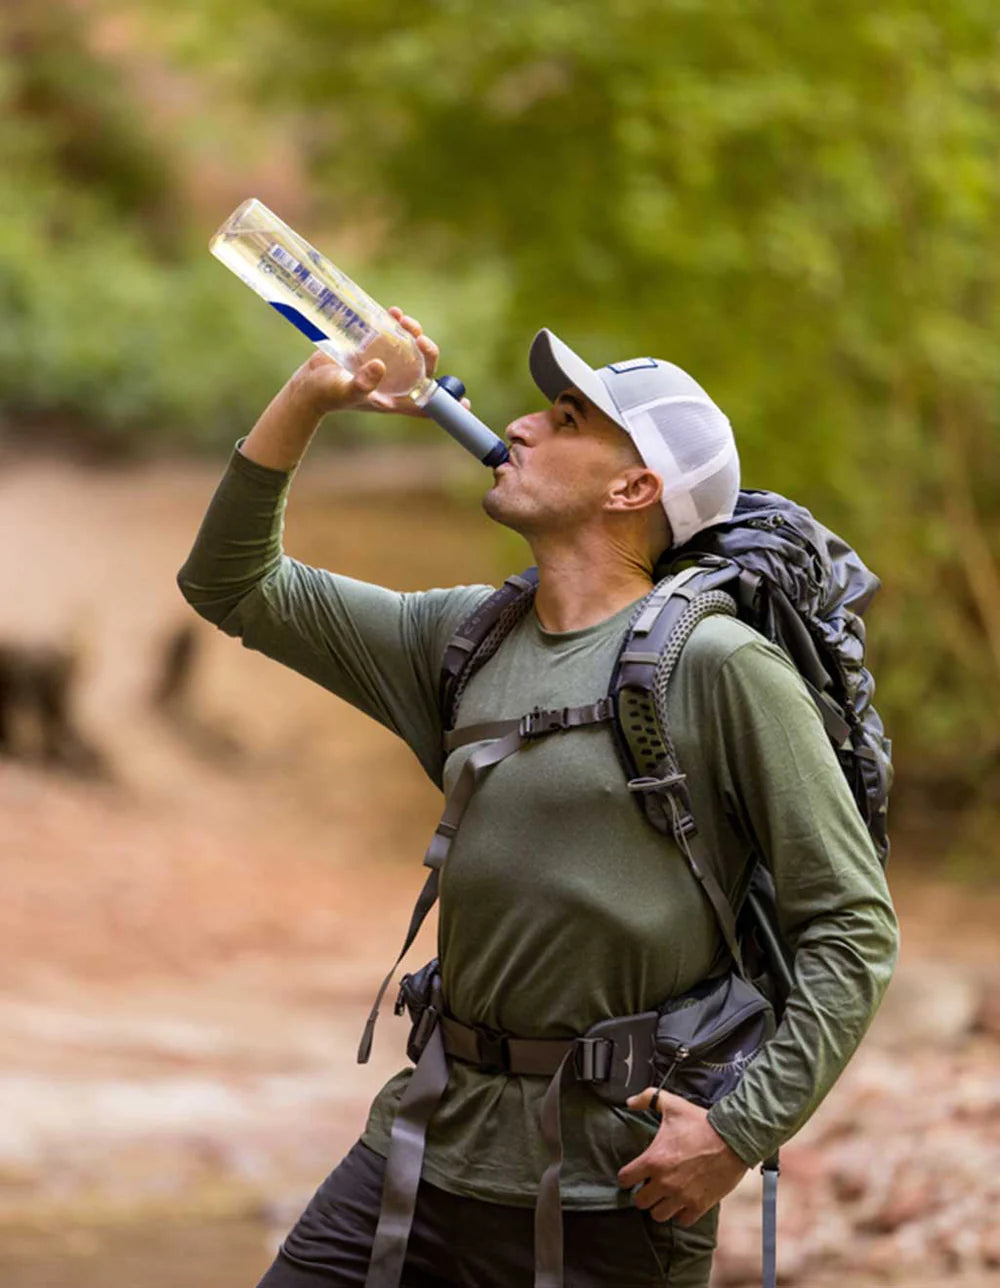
783, 787
378, 649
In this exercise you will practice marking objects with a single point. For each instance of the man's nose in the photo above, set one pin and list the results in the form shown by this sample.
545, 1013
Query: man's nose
528, 429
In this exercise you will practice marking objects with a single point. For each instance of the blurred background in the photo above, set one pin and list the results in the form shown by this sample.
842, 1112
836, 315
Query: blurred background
203, 880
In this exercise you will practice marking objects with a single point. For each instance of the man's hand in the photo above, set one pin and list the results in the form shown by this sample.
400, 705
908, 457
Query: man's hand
687, 1168
327, 386
285, 428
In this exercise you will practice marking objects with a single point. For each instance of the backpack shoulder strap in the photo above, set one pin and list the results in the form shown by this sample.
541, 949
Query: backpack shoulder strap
478, 636
647, 659
645, 665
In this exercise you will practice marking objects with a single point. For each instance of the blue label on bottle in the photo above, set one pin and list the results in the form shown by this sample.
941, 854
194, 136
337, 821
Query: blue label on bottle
299, 320
326, 302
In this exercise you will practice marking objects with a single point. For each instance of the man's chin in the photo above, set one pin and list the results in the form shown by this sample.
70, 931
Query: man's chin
498, 509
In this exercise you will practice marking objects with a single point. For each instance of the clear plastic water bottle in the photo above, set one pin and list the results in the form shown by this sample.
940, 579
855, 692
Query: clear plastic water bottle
342, 320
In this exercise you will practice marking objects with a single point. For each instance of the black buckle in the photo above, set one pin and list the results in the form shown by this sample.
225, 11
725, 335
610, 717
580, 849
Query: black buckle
592, 1059
538, 722
424, 1027
493, 1052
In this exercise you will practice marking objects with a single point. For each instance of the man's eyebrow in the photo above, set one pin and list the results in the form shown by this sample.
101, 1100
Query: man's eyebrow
573, 402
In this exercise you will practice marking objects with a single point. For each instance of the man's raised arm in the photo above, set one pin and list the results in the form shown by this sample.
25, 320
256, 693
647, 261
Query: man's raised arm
378, 649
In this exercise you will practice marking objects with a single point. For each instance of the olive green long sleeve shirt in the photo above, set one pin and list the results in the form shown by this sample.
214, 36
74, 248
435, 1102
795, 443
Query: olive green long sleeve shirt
559, 904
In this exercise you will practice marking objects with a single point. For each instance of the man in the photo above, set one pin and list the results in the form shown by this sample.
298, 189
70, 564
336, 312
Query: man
560, 905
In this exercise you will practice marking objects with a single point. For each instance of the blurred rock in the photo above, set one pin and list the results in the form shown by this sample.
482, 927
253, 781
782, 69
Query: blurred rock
930, 1002
909, 1199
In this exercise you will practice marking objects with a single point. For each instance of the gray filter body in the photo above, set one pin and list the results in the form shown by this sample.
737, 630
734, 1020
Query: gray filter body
465, 428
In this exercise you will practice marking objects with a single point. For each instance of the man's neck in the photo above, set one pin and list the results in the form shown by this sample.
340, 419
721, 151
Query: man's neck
578, 587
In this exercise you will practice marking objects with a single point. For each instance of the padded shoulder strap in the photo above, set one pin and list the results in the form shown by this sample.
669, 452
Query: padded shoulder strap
479, 636
645, 666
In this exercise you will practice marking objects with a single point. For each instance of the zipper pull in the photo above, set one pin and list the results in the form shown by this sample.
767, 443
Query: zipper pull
679, 1058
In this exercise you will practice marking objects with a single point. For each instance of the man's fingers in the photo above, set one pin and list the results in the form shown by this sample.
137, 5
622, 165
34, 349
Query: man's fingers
666, 1101
667, 1209
369, 376
642, 1099
405, 321
430, 351
635, 1172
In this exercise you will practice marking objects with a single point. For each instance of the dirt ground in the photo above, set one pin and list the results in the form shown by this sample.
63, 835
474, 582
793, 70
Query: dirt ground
188, 948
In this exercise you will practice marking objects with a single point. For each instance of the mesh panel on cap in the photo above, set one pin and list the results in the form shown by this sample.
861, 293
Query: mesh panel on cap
694, 430
715, 496
690, 444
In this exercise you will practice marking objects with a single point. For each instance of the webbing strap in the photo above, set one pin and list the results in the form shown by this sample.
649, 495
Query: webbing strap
519, 1056
837, 728
548, 1208
703, 873
425, 901
477, 764
404, 1162
666, 589
479, 733
535, 724
769, 1222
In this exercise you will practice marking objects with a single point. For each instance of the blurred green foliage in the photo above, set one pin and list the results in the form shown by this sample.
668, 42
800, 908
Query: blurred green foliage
797, 203
110, 317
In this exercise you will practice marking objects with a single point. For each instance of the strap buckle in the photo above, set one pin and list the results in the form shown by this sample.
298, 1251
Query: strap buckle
493, 1052
421, 1032
592, 1059
538, 722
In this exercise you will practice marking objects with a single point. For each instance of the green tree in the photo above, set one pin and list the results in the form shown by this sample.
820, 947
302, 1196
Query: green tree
113, 335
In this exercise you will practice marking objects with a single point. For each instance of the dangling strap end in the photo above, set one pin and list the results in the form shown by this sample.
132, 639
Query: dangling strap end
440, 844
367, 1037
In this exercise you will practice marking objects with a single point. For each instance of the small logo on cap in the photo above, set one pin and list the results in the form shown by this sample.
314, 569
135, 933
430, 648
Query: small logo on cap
636, 364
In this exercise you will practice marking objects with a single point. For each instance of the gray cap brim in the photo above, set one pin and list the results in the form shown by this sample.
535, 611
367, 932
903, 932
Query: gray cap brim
555, 367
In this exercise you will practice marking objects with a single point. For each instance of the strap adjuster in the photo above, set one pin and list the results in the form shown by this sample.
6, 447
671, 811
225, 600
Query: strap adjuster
493, 1052
538, 722
423, 1028
592, 1059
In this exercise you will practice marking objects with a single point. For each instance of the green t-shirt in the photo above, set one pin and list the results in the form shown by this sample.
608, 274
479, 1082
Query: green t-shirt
559, 904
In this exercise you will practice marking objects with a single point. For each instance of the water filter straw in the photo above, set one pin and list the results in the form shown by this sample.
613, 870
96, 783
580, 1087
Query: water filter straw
342, 320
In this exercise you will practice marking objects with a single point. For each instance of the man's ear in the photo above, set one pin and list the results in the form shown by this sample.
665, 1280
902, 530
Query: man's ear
634, 489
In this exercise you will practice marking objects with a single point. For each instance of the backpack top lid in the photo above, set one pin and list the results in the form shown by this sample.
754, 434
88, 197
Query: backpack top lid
817, 570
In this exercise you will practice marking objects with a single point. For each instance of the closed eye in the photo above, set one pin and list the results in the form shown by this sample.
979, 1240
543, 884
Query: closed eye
568, 404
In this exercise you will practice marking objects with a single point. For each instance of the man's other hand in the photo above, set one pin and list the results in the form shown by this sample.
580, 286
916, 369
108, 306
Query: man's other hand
687, 1167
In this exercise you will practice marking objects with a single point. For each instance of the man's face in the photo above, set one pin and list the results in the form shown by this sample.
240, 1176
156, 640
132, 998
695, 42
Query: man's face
562, 460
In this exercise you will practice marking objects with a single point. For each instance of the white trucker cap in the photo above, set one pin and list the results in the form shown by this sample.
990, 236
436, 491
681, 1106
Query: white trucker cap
677, 429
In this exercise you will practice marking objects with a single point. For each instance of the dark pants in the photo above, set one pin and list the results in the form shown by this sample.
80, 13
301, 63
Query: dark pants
465, 1243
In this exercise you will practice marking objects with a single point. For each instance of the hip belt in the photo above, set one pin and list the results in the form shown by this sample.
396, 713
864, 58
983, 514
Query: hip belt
687, 1046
